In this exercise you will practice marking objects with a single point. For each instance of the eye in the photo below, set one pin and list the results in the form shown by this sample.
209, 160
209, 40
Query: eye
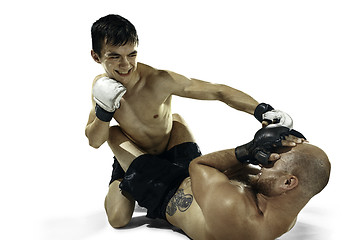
132, 54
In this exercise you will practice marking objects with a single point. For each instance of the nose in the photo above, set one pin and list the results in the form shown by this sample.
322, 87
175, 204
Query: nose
124, 63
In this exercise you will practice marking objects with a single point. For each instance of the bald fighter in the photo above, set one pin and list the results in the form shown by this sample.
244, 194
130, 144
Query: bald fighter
225, 197
138, 97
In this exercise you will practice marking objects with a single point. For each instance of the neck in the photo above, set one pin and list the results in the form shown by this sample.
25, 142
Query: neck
134, 79
281, 209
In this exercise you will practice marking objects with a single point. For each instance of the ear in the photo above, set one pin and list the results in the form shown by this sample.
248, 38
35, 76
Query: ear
289, 182
95, 56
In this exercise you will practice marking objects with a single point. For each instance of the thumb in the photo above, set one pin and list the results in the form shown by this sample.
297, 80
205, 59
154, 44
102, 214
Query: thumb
265, 123
274, 157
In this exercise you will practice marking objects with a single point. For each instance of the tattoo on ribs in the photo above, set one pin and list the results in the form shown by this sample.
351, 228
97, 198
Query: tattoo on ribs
179, 201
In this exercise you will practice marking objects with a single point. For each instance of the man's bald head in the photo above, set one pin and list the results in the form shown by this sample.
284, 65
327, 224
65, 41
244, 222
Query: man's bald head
310, 165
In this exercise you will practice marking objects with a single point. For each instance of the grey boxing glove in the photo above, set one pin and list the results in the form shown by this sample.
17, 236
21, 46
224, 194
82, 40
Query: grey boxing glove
107, 94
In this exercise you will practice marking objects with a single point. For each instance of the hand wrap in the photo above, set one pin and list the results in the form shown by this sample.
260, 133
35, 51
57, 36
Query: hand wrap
102, 114
261, 109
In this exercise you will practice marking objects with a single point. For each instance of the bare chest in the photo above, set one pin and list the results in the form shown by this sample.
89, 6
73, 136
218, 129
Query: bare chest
146, 120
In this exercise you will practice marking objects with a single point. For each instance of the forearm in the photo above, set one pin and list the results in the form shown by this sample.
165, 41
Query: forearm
221, 160
106, 96
97, 132
237, 99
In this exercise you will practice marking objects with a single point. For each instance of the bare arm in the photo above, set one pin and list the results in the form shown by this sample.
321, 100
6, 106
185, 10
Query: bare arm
198, 89
207, 169
228, 211
96, 130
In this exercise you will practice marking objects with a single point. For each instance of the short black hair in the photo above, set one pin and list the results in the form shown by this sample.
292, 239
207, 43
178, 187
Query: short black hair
112, 29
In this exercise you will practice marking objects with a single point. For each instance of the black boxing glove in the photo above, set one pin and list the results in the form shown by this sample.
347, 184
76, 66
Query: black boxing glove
265, 141
296, 134
261, 109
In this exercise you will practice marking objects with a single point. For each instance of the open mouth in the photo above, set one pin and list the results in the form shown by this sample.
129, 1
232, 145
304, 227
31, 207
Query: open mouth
123, 73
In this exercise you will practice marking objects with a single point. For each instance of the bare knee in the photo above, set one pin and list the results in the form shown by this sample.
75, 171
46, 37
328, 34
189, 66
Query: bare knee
117, 218
177, 117
117, 222
180, 132
119, 208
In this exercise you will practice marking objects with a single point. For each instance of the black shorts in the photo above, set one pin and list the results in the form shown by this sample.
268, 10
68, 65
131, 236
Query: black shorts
117, 171
152, 180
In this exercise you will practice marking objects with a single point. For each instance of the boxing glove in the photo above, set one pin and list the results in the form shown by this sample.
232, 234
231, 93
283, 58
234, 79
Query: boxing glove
276, 118
265, 141
107, 94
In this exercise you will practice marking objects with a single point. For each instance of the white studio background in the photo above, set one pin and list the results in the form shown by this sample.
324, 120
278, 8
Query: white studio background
300, 56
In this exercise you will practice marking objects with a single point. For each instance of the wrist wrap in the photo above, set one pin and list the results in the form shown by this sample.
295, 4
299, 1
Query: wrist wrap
261, 109
102, 114
242, 153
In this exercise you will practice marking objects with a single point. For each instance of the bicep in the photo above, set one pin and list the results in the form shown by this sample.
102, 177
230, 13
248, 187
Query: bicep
193, 88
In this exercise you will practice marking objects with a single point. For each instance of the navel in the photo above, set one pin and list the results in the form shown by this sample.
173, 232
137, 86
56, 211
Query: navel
156, 116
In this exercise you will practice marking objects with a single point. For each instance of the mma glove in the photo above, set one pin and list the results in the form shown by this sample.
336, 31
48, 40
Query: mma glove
265, 141
107, 94
276, 118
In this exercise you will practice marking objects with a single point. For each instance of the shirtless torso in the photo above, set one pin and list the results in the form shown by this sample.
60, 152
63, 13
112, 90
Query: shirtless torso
233, 213
145, 114
191, 220
145, 120
225, 200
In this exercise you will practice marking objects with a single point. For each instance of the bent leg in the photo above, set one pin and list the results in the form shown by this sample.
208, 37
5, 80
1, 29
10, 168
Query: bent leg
123, 148
119, 206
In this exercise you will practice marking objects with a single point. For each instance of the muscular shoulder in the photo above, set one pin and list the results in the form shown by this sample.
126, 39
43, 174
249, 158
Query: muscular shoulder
152, 73
159, 80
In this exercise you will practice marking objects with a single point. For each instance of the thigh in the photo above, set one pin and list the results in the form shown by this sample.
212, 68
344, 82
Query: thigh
123, 148
180, 132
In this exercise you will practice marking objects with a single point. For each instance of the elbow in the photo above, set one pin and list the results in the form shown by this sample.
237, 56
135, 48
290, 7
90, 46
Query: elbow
95, 143
223, 91
193, 166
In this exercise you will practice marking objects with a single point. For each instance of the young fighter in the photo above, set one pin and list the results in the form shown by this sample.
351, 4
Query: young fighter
138, 97
224, 197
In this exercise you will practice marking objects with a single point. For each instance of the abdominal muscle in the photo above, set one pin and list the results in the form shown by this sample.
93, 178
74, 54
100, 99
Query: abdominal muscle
150, 131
